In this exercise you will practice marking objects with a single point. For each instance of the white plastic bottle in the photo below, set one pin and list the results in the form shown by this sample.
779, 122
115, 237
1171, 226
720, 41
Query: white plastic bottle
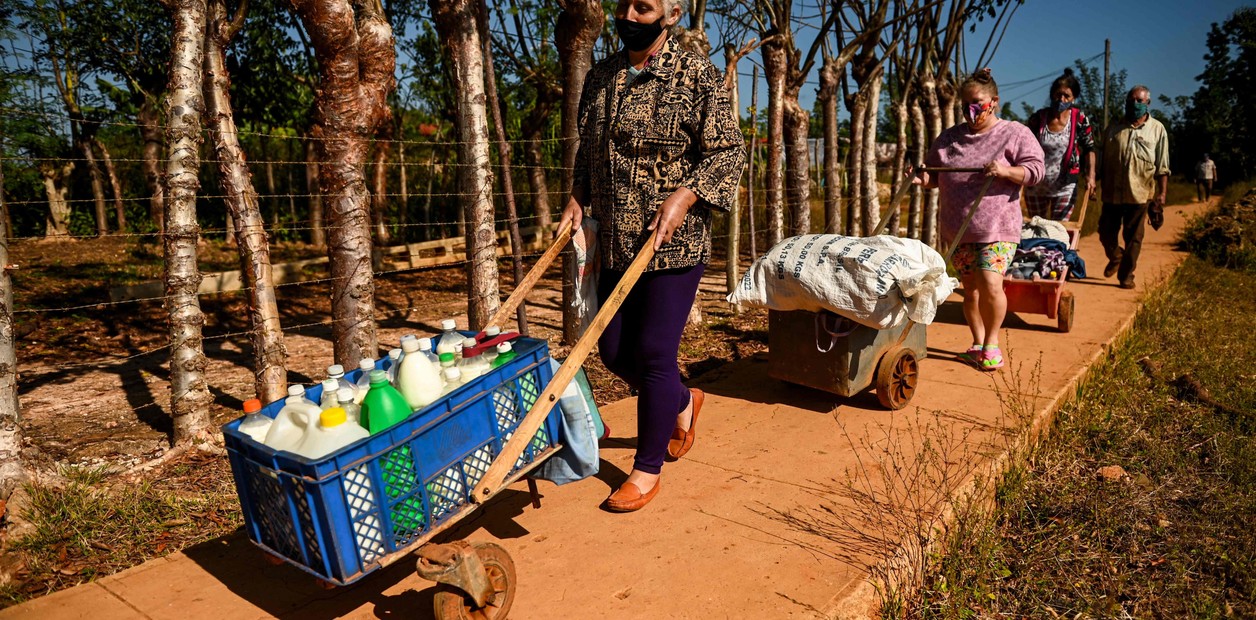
490, 332
255, 424
472, 365
337, 372
425, 347
290, 423
329, 433
418, 379
328, 399
450, 339
345, 400
366, 365
453, 380
394, 360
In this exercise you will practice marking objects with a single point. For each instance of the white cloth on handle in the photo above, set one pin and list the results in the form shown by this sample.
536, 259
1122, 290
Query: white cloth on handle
588, 266
875, 281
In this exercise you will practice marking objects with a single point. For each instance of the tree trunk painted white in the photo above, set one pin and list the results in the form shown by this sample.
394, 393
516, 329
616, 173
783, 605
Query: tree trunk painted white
12, 469
189, 392
56, 187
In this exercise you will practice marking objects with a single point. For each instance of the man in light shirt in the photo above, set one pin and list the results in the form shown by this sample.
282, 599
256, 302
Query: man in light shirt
1135, 178
1205, 175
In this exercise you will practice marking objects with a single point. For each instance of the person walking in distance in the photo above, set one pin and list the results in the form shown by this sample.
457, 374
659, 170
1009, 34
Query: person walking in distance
1135, 178
1205, 175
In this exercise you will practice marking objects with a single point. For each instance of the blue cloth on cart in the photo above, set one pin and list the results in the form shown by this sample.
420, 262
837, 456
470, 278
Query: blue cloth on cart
1076, 265
579, 428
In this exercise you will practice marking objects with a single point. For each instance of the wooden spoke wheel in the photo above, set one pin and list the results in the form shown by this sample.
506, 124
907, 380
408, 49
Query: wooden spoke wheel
896, 378
1065, 313
453, 604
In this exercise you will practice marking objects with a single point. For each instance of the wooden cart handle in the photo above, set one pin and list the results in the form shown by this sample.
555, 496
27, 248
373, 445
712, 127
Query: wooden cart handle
506, 459
902, 191
507, 309
968, 219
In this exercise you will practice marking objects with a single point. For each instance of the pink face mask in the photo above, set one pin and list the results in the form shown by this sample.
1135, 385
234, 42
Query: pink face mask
975, 110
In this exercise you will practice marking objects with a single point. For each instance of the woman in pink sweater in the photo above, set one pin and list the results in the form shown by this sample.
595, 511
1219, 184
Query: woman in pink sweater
1010, 153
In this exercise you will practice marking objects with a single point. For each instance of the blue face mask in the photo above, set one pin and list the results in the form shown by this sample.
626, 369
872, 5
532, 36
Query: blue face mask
1059, 106
1135, 110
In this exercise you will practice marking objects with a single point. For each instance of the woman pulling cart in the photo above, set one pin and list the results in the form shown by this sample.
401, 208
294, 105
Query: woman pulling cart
659, 149
1010, 157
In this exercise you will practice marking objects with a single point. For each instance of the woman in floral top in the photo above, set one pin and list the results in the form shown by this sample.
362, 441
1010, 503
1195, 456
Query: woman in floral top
1069, 149
660, 148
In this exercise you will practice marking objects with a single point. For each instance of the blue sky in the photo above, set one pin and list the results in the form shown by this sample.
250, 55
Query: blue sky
1161, 43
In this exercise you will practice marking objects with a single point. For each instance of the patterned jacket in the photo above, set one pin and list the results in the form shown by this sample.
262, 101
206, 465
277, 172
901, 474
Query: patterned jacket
1081, 138
641, 139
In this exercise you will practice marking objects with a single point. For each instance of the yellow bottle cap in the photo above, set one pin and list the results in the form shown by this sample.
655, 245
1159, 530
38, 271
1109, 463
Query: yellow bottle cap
332, 416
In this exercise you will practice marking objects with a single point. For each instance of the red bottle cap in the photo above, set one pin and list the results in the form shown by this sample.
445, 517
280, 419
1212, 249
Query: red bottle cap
252, 405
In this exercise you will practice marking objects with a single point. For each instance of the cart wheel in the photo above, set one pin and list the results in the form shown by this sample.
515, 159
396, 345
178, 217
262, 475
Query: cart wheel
896, 378
454, 604
1064, 315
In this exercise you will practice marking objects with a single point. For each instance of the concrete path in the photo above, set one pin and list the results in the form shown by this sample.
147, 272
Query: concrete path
787, 501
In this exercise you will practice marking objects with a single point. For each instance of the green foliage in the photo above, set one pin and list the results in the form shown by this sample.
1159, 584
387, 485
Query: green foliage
1221, 118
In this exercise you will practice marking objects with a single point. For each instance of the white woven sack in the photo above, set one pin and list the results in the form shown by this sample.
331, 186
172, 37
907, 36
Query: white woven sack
876, 281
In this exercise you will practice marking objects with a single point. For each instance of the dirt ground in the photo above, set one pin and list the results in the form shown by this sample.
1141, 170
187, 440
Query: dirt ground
93, 374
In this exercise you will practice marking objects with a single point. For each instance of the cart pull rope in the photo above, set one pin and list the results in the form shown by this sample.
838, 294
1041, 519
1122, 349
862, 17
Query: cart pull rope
523, 434
524, 286
822, 326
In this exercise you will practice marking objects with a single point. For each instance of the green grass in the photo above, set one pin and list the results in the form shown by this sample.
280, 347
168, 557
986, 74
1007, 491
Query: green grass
92, 525
1174, 406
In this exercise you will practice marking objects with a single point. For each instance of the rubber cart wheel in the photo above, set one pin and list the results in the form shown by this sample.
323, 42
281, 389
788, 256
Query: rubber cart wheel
896, 378
451, 603
1064, 314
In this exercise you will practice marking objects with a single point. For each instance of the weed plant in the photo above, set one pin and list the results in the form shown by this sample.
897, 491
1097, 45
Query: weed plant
1168, 536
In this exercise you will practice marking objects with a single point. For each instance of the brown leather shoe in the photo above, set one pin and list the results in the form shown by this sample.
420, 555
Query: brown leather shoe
682, 440
629, 497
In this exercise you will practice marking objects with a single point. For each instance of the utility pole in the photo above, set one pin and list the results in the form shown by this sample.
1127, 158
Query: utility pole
1107, 59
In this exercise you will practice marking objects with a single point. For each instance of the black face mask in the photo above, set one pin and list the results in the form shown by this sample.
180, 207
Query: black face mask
637, 36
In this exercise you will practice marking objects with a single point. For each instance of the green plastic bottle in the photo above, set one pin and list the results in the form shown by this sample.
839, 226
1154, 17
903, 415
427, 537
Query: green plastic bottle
383, 406
505, 353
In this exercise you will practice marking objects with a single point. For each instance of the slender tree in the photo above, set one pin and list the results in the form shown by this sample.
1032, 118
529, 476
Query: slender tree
190, 398
356, 58
456, 25
270, 373
579, 25
12, 469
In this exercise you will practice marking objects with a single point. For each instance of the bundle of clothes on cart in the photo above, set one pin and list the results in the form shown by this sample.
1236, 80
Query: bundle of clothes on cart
1044, 253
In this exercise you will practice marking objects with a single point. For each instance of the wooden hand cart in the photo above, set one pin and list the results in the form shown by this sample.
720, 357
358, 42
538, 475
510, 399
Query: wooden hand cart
1048, 296
378, 500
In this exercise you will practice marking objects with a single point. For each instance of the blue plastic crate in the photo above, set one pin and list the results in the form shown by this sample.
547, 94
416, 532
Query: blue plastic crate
349, 513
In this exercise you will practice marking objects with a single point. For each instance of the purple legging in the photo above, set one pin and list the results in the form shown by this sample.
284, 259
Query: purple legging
640, 346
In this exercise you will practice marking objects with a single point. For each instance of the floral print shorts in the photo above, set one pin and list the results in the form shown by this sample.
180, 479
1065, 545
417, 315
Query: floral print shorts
970, 257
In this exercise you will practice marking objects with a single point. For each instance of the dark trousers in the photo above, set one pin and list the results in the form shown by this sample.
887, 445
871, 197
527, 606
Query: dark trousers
1125, 222
640, 346
1203, 187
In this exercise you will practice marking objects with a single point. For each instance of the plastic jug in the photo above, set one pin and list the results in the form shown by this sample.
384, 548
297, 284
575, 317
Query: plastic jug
383, 406
453, 379
330, 387
425, 347
345, 400
290, 423
255, 424
472, 365
366, 365
332, 432
394, 360
418, 379
450, 340
505, 353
